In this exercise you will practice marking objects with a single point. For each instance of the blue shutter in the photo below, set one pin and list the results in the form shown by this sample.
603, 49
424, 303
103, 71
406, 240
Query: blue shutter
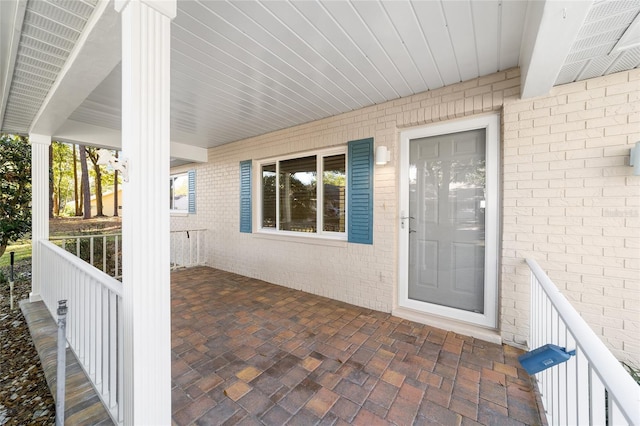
245, 196
360, 201
192, 191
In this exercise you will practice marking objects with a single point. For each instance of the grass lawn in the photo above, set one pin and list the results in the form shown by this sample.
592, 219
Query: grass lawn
63, 226
21, 248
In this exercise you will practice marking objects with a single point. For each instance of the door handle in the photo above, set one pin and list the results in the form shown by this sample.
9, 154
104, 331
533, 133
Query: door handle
411, 231
403, 218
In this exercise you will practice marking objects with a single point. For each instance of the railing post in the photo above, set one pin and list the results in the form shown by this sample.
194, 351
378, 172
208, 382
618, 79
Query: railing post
62, 362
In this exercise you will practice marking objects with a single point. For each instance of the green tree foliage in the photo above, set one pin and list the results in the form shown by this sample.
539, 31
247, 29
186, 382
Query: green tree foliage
15, 189
62, 176
66, 178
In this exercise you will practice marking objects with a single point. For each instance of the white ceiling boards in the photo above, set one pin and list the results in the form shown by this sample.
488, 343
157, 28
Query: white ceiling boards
240, 69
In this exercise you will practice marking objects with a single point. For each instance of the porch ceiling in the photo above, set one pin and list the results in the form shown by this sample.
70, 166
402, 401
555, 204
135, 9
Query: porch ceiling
241, 69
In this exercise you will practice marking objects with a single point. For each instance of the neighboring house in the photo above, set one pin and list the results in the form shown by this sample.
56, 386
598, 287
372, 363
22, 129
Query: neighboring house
509, 127
107, 204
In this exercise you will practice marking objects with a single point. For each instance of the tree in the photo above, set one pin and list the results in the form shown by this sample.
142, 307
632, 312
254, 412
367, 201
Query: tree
15, 189
92, 153
86, 191
76, 195
62, 176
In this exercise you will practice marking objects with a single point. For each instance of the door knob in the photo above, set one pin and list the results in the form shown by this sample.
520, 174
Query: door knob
403, 218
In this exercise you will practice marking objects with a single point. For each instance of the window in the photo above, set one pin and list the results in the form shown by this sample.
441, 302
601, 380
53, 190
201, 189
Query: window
182, 192
305, 194
327, 193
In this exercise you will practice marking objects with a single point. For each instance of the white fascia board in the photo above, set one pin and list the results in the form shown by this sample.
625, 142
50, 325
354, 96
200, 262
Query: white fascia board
95, 54
88, 134
11, 17
102, 137
190, 153
551, 28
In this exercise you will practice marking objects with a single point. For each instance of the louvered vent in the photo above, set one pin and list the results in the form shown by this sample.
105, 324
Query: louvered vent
49, 32
592, 53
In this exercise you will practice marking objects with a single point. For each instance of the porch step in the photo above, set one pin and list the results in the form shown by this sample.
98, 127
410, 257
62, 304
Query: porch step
82, 404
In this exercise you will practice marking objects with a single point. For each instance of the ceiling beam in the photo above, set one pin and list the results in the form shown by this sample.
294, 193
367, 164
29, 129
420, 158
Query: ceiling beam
550, 30
103, 137
95, 54
188, 152
88, 134
11, 18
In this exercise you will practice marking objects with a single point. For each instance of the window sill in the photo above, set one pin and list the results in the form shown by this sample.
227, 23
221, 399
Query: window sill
178, 213
303, 239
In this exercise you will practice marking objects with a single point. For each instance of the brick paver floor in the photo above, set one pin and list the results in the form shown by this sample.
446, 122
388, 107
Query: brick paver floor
248, 352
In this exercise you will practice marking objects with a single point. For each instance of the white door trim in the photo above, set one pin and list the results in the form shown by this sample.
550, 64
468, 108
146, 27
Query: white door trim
492, 125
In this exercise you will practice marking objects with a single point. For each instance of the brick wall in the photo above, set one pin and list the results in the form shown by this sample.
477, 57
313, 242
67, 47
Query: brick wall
570, 201
564, 174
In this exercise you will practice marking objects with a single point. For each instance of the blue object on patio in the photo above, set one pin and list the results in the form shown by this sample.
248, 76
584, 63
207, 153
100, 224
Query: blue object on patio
544, 357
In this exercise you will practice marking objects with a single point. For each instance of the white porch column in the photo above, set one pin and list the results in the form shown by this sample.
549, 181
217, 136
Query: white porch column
145, 218
39, 208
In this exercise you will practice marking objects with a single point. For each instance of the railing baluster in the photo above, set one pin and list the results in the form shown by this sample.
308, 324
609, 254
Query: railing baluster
583, 388
182, 250
104, 350
597, 401
113, 356
91, 251
574, 392
186, 248
104, 254
120, 361
116, 273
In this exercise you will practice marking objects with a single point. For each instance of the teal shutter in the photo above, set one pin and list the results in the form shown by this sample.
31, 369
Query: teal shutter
360, 190
245, 196
192, 191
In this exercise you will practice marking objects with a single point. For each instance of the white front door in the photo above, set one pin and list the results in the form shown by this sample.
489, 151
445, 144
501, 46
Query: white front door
448, 220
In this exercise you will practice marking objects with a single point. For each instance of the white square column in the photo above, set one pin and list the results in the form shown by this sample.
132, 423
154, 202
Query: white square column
146, 28
39, 208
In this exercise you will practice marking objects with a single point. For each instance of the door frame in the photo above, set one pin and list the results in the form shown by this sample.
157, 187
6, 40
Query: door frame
491, 123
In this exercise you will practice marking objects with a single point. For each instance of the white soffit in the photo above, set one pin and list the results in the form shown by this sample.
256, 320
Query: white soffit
241, 69
49, 32
608, 42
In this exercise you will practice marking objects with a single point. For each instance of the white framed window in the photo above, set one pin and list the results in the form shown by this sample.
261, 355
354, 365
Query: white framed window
305, 194
324, 193
182, 192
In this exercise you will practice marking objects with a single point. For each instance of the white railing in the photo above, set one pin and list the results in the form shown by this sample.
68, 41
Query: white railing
592, 388
102, 251
94, 319
187, 248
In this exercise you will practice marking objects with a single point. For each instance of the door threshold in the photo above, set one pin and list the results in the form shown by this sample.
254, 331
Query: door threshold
466, 329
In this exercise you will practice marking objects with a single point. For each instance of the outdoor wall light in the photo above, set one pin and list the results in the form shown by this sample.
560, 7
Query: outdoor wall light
544, 357
383, 155
107, 158
634, 159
